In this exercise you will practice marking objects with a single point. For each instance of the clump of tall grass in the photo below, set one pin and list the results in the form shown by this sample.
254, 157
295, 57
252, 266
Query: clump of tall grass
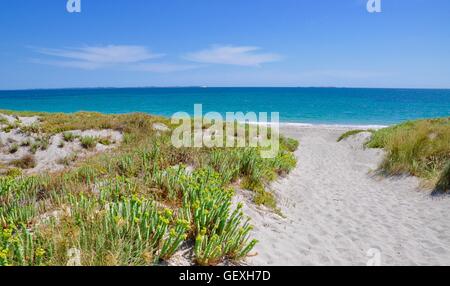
3, 120
41, 143
88, 142
353, 132
69, 136
26, 162
31, 129
68, 160
420, 148
443, 184
289, 144
13, 148
8, 128
26, 143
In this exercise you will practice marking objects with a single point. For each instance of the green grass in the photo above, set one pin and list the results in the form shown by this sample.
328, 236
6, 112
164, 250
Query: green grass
443, 184
353, 132
68, 136
3, 120
137, 205
31, 129
420, 148
88, 142
105, 141
290, 144
13, 148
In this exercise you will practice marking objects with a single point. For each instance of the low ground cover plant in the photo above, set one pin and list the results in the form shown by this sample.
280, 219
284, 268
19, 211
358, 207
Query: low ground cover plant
136, 205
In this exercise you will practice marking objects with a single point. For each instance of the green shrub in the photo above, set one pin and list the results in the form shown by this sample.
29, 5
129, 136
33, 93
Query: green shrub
289, 144
219, 232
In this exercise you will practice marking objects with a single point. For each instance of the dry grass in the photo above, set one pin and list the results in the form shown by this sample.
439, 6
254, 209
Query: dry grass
353, 132
420, 148
26, 162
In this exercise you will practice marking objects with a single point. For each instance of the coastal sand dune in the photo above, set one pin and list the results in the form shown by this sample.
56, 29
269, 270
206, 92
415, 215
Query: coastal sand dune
335, 209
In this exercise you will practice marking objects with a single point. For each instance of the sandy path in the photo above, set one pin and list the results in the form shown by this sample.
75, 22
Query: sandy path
336, 211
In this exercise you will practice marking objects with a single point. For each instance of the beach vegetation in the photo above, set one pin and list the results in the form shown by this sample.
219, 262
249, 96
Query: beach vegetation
26, 162
105, 141
33, 128
26, 143
443, 184
8, 128
88, 142
3, 120
69, 136
13, 148
138, 205
14, 172
41, 143
420, 148
290, 144
353, 132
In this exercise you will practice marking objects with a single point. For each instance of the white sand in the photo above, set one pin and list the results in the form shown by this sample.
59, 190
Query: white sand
51, 159
335, 210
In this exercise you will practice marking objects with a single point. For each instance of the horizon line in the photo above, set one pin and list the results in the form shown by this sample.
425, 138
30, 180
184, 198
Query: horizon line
213, 87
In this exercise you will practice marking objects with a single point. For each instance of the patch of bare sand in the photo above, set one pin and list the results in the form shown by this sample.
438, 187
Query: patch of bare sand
57, 154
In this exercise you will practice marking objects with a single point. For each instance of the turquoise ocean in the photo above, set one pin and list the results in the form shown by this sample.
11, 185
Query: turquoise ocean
346, 106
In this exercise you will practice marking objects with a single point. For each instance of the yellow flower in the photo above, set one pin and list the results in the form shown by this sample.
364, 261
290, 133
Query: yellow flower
40, 252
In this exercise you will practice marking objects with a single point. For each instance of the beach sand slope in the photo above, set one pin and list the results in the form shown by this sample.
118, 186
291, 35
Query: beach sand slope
336, 209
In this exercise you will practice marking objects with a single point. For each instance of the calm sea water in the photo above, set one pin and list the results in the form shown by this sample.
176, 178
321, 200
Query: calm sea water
303, 105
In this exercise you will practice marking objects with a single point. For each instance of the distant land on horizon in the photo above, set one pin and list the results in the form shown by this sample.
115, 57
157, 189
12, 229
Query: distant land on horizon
225, 87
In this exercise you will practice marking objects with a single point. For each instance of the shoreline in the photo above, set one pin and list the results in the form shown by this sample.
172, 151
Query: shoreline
333, 126
328, 126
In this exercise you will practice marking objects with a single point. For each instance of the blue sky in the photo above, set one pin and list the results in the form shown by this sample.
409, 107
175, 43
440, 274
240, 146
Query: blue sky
125, 43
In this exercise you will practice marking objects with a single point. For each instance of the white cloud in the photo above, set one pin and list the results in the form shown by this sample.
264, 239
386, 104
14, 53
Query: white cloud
134, 58
94, 57
163, 67
232, 55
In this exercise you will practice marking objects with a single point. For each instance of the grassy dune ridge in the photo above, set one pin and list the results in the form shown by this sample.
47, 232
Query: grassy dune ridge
137, 204
420, 148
